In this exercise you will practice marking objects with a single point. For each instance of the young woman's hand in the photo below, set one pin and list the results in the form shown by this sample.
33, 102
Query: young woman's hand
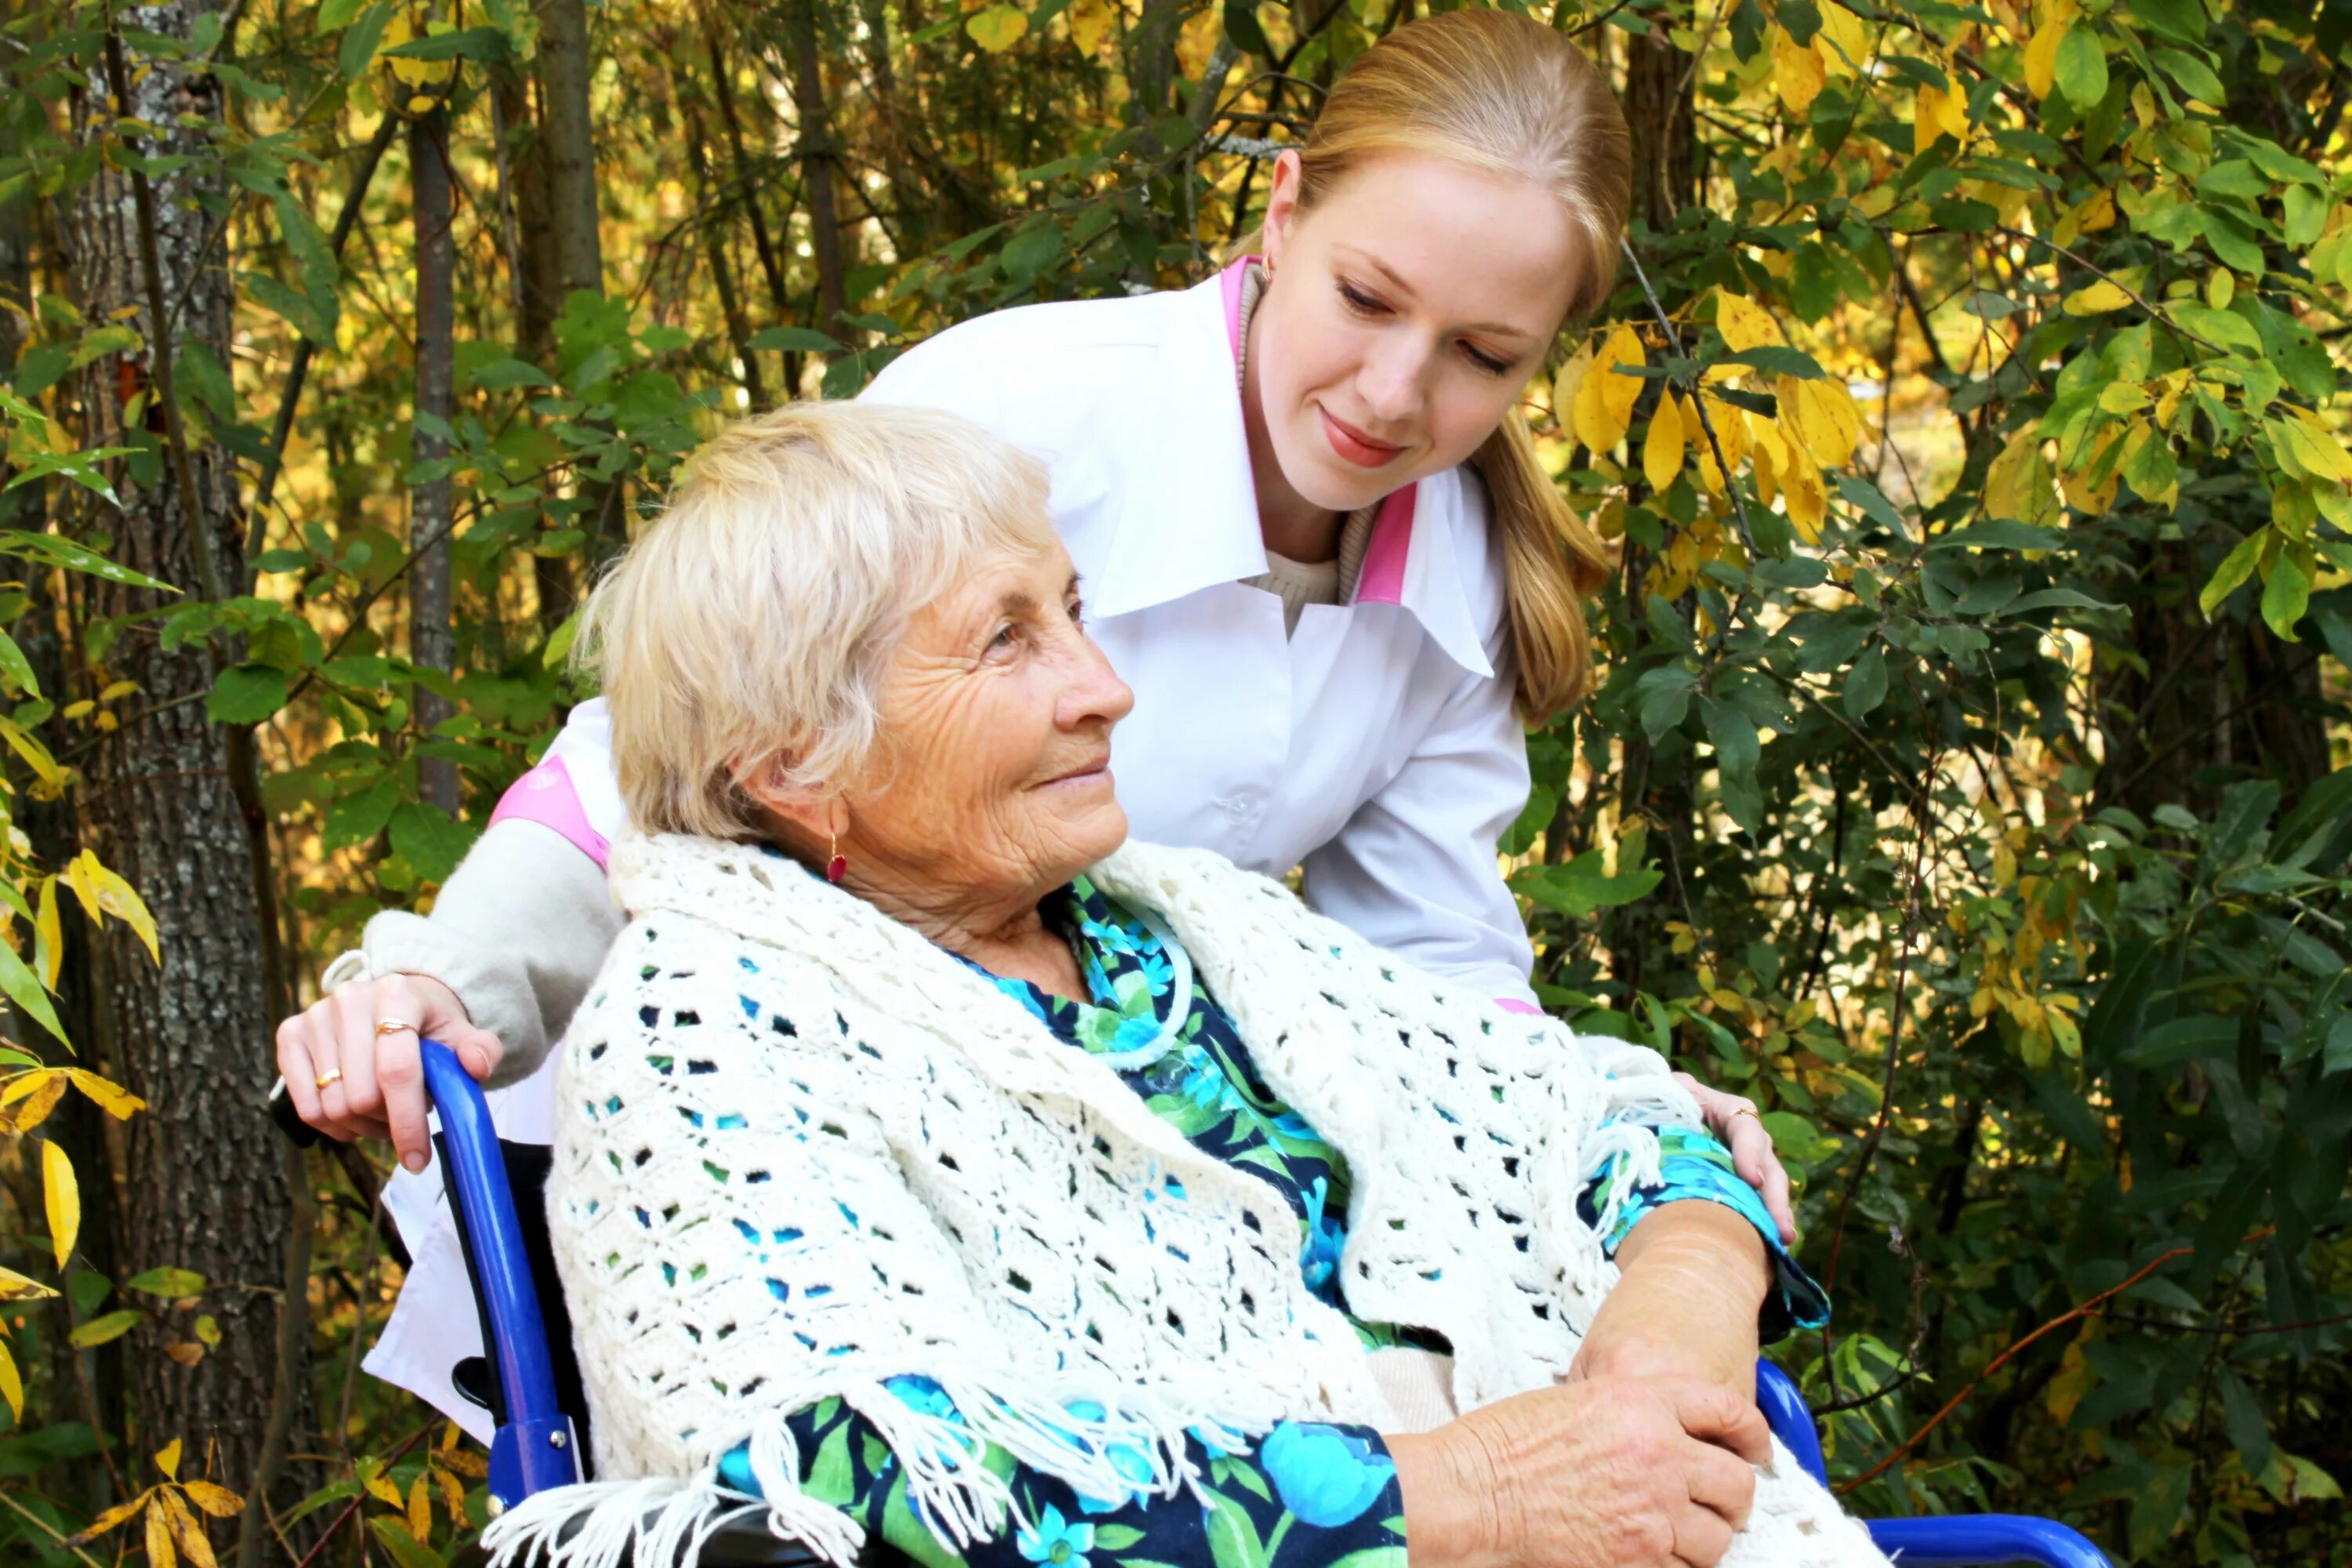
1733, 1119
351, 1060
1597, 1473
1692, 1280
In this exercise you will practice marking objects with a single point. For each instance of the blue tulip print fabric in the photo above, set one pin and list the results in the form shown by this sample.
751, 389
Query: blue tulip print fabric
1311, 1495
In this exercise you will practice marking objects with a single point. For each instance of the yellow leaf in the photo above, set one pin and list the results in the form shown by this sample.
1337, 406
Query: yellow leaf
121, 899
997, 28
217, 1500
420, 1510
1563, 386
81, 877
118, 689
1090, 23
2316, 447
111, 1098
1745, 324
1827, 424
1662, 452
383, 1490
167, 1459
48, 935
2096, 299
2018, 483
62, 1197
188, 1531
159, 1539
15, 1286
1797, 73
453, 1491
49, 1088
1937, 113
1605, 400
1847, 42
1808, 501
11, 1386
2042, 57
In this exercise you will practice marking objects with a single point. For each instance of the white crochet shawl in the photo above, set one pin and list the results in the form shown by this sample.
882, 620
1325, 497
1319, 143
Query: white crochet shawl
800, 1150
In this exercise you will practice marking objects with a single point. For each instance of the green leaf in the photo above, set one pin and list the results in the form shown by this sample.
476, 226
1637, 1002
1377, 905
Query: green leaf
23, 988
793, 340
2235, 568
2082, 67
1866, 684
172, 1284
1775, 360
357, 50
1232, 1539
1999, 533
1242, 27
106, 1330
500, 374
405, 1549
246, 694
432, 843
334, 15
2224, 327
1875, 504
2286, 593
486, 44
1029, 252
16, 666
74, 557
2195, 76
1733, 735
356, 818
2183, 21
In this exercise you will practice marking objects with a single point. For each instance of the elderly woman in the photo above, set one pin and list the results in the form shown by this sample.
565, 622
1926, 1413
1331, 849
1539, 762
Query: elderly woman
933, 1164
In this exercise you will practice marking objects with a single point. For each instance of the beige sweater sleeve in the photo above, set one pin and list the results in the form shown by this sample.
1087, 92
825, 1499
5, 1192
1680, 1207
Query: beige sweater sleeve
519, 933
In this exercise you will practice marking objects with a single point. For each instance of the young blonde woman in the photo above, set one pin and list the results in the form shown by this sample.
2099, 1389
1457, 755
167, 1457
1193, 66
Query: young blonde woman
1314, 540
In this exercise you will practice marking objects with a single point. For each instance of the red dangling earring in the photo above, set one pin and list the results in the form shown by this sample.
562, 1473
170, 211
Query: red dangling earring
838, 864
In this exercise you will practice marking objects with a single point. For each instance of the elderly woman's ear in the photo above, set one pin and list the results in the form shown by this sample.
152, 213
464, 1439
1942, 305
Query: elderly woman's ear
804, 817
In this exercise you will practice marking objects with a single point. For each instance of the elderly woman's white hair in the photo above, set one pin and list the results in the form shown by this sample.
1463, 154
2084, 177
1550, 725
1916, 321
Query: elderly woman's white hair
752, 623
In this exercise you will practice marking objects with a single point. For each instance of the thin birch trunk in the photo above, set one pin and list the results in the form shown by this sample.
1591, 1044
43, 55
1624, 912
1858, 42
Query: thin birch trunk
432, 636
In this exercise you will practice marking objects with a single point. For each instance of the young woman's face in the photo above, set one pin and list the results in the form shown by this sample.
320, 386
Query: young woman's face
1405, 313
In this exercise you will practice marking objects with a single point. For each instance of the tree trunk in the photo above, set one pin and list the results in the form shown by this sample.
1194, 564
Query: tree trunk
722, 87
818, 165
1661, 109
533, 279
713, 228
568, 145
2204, 703
431, 636
203, 1187
1657, 789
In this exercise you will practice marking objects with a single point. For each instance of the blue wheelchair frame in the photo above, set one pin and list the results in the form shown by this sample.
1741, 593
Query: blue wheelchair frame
535, 1446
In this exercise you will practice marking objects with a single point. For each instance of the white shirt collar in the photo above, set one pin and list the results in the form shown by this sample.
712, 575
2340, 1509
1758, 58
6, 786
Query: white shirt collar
1189, 518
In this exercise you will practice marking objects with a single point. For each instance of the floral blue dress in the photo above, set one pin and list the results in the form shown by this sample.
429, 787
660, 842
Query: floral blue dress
1312, 1494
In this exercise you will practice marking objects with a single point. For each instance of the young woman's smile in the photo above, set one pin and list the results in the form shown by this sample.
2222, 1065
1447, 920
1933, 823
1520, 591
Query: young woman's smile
1405, 311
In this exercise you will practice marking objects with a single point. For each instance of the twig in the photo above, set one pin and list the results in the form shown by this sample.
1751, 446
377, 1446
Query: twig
2131, 293
1698, 402
353, 1507
2070, 1315
290, 399
293, 1334
50, 1530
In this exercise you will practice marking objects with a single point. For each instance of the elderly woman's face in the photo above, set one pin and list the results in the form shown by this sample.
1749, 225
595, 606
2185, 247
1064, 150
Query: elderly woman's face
996, 715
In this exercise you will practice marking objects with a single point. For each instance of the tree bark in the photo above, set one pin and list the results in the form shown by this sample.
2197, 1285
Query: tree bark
2204, 704
818, 165
202, 1188
1660, 107
534, 279
722, 87
568, 144
432, 636
713, 228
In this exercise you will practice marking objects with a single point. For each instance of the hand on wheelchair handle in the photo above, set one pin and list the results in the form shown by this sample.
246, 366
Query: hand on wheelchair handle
353, 1065
1733, 1119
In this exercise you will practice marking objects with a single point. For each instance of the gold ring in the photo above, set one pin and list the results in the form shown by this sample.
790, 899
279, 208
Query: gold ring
391, 1026
331, 1076
1747, 1111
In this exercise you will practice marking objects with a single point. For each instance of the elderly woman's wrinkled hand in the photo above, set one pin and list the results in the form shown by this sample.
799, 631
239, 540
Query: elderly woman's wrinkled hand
353, 1062
1600, 1473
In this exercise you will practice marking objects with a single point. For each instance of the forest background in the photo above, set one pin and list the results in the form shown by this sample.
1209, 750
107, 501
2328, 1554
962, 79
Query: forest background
1967, 782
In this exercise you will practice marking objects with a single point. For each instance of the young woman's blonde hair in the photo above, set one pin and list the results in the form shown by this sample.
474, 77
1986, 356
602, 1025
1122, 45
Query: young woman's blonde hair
1503, 92
751, 626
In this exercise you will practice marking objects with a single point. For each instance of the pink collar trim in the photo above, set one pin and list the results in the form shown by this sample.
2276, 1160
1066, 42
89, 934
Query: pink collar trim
1381, 581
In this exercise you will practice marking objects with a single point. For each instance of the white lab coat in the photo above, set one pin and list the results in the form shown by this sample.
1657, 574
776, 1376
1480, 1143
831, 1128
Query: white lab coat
1376, 746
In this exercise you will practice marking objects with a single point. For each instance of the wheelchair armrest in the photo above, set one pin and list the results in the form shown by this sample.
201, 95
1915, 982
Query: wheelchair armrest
535, 1446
